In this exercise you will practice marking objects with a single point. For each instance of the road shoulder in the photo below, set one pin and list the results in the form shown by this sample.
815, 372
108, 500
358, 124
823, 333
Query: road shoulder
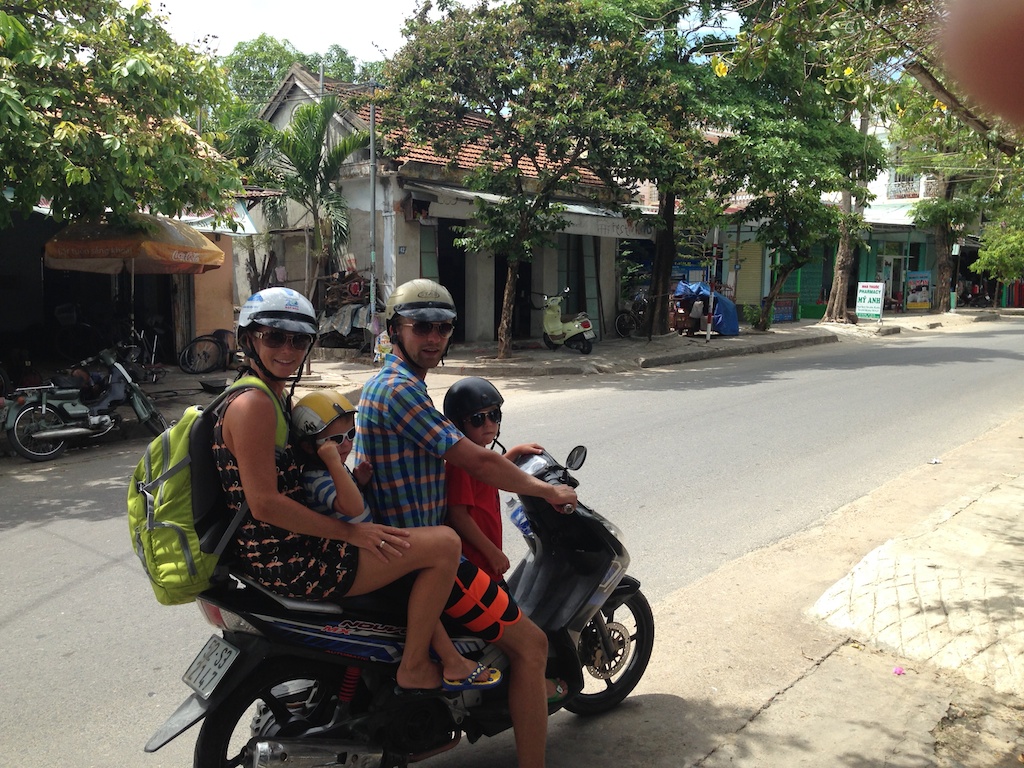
768, 684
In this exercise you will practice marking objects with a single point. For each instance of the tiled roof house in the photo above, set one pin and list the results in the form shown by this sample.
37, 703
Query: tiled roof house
420, 201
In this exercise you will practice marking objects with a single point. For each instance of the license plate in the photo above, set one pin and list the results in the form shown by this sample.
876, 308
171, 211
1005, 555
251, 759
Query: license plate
210, 666
589, 335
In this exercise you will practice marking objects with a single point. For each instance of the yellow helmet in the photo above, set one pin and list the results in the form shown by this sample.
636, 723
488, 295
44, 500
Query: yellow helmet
315, 412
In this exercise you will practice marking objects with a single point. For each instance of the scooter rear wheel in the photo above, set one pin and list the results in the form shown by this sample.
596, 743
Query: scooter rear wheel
33, 418
586, 347
283, 697
615, 648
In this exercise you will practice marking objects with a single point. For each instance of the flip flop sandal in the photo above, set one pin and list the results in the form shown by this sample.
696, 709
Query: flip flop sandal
561, 691
471, 683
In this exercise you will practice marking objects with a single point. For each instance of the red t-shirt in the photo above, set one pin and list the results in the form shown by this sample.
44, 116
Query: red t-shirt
482, 500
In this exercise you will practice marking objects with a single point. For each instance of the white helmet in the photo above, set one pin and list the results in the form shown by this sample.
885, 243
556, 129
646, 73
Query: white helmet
280, 308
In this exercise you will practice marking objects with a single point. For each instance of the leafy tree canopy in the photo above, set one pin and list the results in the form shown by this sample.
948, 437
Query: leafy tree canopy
1002, 248
543, 92
91, 107
255, 68
561, 88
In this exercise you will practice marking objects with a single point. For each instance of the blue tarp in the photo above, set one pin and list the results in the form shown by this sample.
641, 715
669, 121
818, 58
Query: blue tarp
725, 320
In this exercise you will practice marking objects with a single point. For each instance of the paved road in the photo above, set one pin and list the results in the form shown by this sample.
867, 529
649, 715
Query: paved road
697, 466
701, 464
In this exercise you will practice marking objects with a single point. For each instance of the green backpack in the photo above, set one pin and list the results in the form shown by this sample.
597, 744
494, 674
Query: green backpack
177, 515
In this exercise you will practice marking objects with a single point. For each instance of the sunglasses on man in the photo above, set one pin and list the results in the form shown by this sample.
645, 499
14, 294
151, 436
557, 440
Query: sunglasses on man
423, 328
277, 339
339, 438
477, 419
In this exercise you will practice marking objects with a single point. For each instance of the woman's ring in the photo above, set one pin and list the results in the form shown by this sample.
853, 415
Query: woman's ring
381, 545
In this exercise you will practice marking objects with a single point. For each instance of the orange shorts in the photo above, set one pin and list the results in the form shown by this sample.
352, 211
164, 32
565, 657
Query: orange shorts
480, 604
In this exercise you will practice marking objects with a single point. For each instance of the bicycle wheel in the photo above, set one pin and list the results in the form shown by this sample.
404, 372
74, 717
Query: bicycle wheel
202, 355
625, 324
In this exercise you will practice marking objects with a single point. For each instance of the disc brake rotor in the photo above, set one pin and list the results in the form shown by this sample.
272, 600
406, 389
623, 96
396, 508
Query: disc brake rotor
600, 665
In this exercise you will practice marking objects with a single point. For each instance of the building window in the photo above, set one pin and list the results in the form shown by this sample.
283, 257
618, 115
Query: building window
428, 254
904, 185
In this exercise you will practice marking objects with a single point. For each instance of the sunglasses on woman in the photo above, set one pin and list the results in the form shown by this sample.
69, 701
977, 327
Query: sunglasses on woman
339, 438
477, 419
423, 328
277, 339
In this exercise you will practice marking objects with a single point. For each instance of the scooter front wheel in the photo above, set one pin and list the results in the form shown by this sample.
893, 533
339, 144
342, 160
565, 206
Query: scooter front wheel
615, 648
156, 424
33, 418
549, 343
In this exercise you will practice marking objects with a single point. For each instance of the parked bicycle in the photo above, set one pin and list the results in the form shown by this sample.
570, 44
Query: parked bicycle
209, 352
628, 321
139, 355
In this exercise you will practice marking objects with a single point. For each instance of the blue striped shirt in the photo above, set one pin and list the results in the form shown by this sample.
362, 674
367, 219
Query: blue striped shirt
321, 493
405, 438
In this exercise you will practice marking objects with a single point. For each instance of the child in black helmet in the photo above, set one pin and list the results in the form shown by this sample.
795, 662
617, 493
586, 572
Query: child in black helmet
474, 406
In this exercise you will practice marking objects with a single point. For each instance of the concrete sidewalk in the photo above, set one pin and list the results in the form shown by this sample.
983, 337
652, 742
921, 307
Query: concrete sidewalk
810, 653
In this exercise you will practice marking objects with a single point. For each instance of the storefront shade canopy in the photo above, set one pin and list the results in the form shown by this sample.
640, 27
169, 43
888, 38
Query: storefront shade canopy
160, 246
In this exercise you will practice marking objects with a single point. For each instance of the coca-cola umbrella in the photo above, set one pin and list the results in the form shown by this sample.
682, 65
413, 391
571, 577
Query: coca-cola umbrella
160, 246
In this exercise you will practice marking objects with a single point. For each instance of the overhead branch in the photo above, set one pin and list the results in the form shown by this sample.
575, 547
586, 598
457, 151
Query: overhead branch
964, 113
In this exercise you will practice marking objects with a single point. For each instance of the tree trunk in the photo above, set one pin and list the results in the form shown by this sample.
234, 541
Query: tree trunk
508, 300
765, 321
835, 311
661, 269
252, 272
943, 267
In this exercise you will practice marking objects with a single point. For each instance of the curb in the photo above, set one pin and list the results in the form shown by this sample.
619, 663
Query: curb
674, 358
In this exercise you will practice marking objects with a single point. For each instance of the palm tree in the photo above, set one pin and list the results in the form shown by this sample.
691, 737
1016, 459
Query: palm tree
306, 157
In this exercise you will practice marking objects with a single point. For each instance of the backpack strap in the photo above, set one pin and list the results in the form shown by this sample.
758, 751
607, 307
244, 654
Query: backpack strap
255, 382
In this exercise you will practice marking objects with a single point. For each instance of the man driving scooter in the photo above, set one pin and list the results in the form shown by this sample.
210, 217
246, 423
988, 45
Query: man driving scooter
407, 441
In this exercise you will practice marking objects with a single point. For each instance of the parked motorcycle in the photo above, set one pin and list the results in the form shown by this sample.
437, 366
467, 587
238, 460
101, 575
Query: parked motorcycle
41, 420
574, 331
290, 682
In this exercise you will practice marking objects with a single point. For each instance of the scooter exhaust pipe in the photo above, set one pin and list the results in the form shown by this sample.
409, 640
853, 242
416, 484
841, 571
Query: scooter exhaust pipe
63, 433
300, 753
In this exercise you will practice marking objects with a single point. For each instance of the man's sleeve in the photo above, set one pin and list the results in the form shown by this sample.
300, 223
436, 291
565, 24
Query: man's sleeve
417, 420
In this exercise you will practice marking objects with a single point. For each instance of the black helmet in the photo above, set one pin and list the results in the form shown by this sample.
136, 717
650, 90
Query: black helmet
469, 395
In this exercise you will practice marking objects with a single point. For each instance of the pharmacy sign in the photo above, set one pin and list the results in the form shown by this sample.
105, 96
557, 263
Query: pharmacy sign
869, 300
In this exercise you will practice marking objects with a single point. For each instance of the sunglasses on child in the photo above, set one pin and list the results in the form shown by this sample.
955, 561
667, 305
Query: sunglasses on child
277, 339
423, 328
477, 419
339, 439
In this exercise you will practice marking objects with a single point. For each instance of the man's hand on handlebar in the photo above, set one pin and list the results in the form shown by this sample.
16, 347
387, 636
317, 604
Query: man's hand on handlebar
563, 499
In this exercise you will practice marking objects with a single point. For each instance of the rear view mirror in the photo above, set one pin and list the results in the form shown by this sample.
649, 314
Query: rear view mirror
576, 457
